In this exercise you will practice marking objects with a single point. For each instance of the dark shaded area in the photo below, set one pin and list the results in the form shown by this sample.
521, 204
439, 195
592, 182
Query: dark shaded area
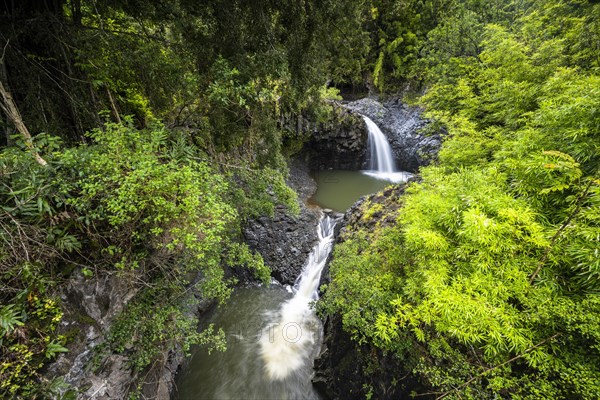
338, 143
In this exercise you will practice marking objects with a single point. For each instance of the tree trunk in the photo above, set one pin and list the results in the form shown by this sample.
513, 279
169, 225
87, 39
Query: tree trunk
76, 11
113, 106
7, 104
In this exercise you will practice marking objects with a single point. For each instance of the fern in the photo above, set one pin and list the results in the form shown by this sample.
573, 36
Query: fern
10, 318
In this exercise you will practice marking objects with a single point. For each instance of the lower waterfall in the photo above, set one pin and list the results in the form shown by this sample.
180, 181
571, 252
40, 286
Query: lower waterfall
288, 342
273, 336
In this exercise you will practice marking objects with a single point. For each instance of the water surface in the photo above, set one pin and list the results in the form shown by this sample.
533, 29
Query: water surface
240, 372
338, 190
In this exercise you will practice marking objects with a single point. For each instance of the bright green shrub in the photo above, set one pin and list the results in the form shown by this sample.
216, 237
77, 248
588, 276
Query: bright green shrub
488, 284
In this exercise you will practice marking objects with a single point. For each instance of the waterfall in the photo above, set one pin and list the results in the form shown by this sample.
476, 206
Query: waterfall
289, 343
381, 159
380, 150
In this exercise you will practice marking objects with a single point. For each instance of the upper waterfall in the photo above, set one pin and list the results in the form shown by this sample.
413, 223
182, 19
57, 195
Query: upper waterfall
380, 151
381, 159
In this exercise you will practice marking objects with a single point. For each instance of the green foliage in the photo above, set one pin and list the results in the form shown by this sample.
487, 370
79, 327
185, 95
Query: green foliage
155, 202
364, 278
143, 77
9, 319
30, 313
258, 189
487, 284
472, 254
396, 30
157, 197
448, 50
138, 201
492, 265
327, 93
372, 211
29, 338
154, 323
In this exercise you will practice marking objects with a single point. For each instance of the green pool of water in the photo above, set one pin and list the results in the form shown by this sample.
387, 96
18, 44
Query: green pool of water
338, 190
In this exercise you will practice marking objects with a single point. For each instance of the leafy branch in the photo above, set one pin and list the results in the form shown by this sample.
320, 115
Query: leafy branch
529, 350
561, 229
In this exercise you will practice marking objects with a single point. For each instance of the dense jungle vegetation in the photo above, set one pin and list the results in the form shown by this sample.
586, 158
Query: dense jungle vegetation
487, 285
138, 136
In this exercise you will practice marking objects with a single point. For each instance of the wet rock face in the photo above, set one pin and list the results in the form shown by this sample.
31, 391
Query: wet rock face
346, 370
94, 303
337, 369
340, 143
403, 126
285, 241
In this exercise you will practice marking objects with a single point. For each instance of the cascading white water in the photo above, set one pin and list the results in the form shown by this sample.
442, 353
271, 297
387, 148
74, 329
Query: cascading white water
381, 161
288, 343
380, 150
272, 339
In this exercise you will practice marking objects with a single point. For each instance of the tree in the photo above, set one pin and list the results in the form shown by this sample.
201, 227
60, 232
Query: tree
8, 106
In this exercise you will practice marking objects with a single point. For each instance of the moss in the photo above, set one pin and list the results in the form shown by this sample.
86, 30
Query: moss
84, 318
71, 333
373, 211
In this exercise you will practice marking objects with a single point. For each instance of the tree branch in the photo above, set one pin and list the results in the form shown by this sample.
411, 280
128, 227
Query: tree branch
560, 230
498, 366
113, 106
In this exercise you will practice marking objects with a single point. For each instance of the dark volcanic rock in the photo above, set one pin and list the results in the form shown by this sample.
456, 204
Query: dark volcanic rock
403, 126
346, 370
285, 241
337, 368
94, 303
340, 143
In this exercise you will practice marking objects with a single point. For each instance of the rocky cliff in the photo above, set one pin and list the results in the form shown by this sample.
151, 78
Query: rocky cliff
94, 304
404, 128
285, 241
339, 143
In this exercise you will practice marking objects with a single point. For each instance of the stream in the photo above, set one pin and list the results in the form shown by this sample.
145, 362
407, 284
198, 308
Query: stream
273, 334
239, 372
